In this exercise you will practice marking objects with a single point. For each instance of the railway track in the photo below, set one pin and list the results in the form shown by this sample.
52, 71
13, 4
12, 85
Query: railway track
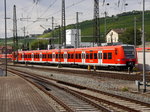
113, 102
85, 73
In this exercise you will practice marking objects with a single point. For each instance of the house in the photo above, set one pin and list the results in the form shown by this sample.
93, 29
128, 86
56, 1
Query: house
113, 35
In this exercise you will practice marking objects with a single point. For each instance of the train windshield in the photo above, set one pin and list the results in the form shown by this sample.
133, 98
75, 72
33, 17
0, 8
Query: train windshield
129, 52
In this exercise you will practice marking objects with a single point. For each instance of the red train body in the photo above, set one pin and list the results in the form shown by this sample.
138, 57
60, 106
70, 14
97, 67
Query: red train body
121, 56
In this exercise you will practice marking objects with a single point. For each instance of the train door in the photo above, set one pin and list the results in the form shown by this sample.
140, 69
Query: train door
53, 56
40, 56
65, 57
22, 56
32, 57
83, 57
100, 57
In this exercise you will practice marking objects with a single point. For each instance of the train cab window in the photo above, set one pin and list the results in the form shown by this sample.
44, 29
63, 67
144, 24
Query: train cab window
109, 55
95, 55
105, 56
91, 55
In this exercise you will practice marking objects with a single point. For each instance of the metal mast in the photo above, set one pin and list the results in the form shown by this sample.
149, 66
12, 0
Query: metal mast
15, 39
96, 25
135, 31
77, 28
143, 40
63, 24
5, 38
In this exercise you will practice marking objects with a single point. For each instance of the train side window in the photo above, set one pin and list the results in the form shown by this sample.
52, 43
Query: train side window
87, 56
109, 55
91, 55
56, 56
68, 56
95, 55
105, 56
72, 56
79, 56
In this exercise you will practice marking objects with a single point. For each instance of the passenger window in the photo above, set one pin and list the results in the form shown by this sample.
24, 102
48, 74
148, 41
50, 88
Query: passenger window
105, 56
91, 55
109, 55
87, 56
79, 56
95, 55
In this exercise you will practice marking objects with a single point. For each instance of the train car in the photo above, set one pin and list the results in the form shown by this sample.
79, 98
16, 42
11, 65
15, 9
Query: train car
119, 56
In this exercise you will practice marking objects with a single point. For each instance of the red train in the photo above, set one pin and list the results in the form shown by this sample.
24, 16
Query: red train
119, 56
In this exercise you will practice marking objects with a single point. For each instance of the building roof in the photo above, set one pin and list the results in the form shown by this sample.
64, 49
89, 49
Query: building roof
119, 31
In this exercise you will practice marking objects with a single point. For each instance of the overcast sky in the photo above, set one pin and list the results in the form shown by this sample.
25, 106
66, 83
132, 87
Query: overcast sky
45, 9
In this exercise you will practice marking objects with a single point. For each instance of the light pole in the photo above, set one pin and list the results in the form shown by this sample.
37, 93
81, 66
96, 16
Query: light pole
5, 38
143, 40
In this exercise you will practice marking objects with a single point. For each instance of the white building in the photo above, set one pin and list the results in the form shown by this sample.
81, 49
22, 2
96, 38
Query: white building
71, 37
140, 59
113, 35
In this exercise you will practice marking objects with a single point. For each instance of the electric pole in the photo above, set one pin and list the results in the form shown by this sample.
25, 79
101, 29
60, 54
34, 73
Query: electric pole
143, 38
5, 38
63, 24
52, 32
135, 31
96, 25
77, 44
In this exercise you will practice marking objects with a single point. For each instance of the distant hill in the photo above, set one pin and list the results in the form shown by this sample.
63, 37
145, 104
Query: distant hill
124, 20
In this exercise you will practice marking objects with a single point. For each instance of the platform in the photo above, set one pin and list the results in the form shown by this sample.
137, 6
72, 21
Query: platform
17, 95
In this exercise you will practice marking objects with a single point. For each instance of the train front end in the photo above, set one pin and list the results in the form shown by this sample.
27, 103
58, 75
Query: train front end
130, 56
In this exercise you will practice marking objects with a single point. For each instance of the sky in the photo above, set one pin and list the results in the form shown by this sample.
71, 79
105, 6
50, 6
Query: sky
32, 14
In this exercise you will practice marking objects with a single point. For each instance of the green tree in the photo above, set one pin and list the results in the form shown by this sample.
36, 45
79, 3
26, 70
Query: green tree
128, 37
41, 44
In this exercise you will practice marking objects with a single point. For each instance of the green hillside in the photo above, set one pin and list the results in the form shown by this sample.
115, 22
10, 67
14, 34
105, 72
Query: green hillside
124, 20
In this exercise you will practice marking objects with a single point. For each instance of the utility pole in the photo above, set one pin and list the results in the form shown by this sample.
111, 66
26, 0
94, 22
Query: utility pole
96, 25
15, 39
143, 38
135, 31
77, 43
105, 22
63, 24
59, 48
52, 32
5, 38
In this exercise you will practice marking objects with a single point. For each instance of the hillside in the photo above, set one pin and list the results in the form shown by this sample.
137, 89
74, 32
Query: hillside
124, 20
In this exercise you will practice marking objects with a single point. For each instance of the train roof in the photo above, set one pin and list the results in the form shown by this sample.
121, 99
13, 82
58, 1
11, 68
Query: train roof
79, 49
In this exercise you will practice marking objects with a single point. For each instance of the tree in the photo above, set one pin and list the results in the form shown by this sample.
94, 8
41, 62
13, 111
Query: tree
128, 37
41, 44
